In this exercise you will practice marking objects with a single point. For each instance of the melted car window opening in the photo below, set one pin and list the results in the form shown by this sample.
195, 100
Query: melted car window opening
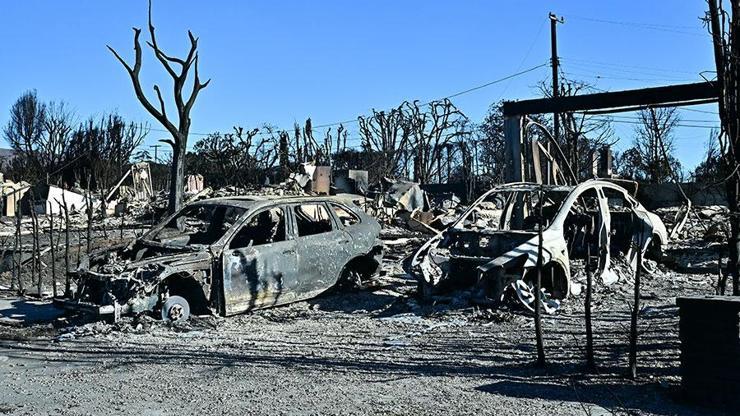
581, 225
199, 225
346, 217
265, 227
312, 219
622, 220
514, 210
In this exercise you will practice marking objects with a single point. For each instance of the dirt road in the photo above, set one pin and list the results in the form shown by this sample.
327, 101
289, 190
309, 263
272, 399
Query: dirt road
368, 352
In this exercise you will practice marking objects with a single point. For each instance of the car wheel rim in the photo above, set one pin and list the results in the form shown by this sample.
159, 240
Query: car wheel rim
526, 294
175, 312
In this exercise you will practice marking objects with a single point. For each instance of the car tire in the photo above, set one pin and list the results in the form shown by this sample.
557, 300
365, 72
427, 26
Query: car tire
175, 308
351, 279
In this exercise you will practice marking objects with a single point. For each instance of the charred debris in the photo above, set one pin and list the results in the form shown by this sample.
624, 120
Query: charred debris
201, 261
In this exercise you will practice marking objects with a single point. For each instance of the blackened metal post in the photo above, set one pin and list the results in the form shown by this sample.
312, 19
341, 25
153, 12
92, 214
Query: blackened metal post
538, 287
635, 310
590, 362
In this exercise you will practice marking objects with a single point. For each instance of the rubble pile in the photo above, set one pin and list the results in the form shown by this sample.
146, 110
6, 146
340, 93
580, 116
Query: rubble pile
404, 204
699, 245
707, 223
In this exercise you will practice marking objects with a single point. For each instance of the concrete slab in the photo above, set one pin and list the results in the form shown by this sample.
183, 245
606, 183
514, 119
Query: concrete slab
17, 311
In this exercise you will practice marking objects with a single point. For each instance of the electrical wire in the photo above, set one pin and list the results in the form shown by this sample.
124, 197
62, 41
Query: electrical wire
644, 70
457, 94
618, 78
684, 30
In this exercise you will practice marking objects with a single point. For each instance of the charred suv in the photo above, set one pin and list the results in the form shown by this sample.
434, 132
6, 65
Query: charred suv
493, 246
231, 255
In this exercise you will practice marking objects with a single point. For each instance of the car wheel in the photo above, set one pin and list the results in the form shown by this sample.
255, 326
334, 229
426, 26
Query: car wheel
525, 292
175, 308
351, 279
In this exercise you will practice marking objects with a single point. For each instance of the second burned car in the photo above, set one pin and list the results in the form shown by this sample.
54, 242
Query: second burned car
493, 245
231, 255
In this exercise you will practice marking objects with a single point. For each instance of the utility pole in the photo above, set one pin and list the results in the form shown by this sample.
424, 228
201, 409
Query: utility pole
554, 20
155, 146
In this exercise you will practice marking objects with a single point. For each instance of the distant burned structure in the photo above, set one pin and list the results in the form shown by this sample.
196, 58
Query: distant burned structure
531, 160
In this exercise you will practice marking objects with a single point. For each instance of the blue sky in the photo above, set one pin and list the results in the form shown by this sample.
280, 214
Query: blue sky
284, 61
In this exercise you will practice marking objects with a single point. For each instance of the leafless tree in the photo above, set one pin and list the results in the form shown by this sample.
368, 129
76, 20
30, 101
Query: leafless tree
178, 69
387, 134
314, 151
713, 168
103, 150
297, 143
24, 132
58, 125
431, 129
242, 157
492, 157
652, 136
581, 133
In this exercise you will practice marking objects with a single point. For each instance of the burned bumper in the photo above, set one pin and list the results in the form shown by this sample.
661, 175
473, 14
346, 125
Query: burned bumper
115, 310
115, 295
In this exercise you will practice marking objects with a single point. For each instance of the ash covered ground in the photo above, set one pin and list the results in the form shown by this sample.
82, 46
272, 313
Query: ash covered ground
371, 351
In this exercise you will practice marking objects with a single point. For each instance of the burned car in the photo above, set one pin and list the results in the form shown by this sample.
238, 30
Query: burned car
493, 245
231, 255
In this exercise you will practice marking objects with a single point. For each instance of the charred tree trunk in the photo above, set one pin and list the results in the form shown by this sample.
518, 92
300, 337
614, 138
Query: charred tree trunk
36, 253
53, 248
18, 248
284, 160
89, 211
177, 177
67, 286
79, 246
298, 150
14, 263
180, 129
34, 246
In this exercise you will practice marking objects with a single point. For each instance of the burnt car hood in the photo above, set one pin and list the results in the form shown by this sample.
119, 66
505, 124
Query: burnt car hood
119, 259
486, 244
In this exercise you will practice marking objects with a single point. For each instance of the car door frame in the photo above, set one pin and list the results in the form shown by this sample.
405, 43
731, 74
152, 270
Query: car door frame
307, 256
240, 297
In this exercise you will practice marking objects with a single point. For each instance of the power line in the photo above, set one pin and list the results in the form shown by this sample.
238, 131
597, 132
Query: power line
627, 68
682, 120
469, 90
647, 26
699, 111
640, 123
526, 55
457, 94
637, 118
598, 76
